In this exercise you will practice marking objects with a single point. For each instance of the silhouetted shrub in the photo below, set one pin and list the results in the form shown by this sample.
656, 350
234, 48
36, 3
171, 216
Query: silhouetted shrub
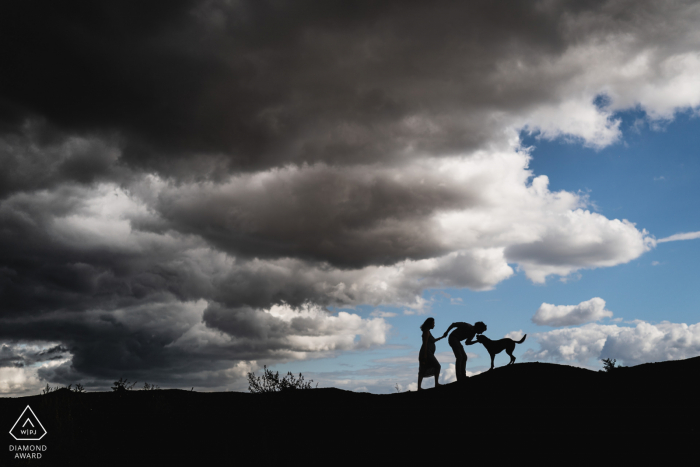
150, 387
609, 365
271, 382
123, 385
49, 389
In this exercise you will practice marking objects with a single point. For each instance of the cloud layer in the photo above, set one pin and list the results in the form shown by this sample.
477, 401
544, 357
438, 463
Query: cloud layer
644, 342
185, 188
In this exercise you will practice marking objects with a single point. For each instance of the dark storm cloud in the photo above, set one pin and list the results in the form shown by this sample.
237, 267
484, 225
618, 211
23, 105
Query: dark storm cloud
102, 346
261, 327
349, 218
166, 341
256, 84
42, 273
119, 305
39, 158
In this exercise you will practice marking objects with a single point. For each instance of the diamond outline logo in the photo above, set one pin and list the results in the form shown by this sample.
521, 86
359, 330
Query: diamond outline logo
30, 422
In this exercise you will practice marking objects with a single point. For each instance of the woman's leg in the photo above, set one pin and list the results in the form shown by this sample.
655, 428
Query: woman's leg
420, 380
437, 375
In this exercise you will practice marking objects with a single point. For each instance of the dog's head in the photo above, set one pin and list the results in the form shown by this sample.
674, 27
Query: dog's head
481, 338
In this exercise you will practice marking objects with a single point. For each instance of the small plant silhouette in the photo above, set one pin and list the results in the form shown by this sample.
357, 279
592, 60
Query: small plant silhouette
397, 387
609, 365
271, 382
150, 387
123, 385
48, 389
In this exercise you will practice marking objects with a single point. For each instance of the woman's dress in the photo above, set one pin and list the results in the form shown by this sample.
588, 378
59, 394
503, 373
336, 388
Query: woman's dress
428, 364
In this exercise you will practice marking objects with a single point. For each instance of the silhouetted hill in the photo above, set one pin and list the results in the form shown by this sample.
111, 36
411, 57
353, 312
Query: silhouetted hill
176, 427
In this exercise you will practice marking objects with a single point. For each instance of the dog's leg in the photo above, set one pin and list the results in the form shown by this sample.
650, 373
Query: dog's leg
493, 355
509, 350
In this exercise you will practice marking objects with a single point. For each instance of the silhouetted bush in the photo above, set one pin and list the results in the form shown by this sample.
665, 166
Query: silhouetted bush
609, 365
78, 388
123, 385
150, 387
49, 389
271, 382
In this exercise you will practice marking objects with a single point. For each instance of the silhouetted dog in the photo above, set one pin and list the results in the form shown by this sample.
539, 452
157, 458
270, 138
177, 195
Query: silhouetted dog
496, 347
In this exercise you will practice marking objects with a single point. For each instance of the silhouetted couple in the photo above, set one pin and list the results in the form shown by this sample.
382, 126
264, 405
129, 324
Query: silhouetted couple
428, 364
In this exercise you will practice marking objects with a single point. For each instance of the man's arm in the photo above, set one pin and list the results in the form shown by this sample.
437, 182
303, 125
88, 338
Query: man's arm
469, 340
453, 325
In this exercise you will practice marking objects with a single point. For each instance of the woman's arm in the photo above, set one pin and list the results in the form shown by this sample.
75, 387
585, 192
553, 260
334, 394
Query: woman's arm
453, 325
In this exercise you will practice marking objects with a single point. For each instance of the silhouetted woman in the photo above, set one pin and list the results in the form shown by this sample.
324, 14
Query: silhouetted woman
428, 364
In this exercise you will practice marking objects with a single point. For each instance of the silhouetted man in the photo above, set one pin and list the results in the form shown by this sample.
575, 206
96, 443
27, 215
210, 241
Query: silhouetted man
463, 331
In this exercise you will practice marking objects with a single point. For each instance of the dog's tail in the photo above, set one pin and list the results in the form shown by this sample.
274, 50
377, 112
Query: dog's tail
521, 340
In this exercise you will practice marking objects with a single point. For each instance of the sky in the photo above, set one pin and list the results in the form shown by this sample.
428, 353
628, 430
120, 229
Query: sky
193, 190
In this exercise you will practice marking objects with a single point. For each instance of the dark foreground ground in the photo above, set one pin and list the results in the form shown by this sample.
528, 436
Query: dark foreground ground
535, 402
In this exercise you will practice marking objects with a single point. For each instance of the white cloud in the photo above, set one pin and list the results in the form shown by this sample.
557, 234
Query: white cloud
648, 342
572, 344
642, 343
620, 66
515, 335
568, 315
680, 236
293, 333
577, 118
579, 239
18, 381
449, 374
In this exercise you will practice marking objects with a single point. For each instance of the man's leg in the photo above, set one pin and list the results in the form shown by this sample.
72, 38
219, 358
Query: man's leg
461, 363
458, 351
462, 370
